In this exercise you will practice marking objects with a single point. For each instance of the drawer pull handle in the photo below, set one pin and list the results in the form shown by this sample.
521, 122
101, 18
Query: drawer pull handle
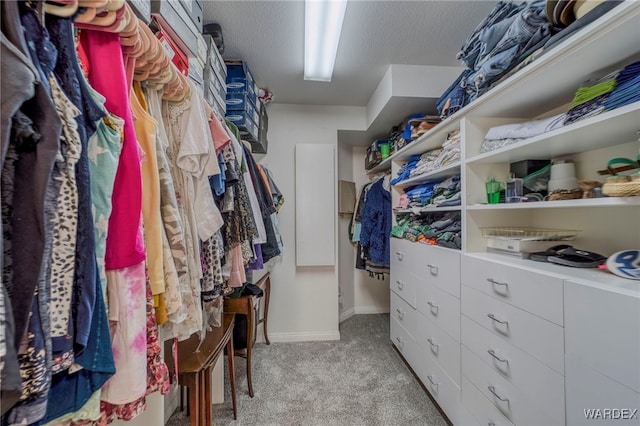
493, 354
493, 391
400, 314
400, 256
494, 282
491, 424
435, 345
433, 307
400, 342
400, 285
493, 317
430, 378
433, 269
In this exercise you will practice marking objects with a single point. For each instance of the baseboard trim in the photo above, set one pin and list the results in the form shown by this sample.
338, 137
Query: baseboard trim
371, 310
303, 337
346, 314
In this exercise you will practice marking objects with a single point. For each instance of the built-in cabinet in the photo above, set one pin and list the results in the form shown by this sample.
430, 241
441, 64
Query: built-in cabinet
500, 340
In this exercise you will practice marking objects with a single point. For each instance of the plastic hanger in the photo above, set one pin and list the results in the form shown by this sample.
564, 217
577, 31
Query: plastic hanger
63, 9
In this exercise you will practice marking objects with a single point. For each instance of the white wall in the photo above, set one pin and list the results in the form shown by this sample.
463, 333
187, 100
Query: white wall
371, 295
304, 300
346, 254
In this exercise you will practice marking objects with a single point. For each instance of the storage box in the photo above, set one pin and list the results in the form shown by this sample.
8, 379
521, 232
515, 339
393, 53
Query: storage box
242, 102
142, 9
214, 58
248, 128
194, 9
240, 79
196, 71
248, 109
173, 18
524, 168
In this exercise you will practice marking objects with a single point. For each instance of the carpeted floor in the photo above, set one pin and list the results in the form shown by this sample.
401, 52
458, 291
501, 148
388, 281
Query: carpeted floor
359, 380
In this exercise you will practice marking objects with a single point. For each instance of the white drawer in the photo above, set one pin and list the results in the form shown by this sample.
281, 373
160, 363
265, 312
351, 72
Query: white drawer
603, 331
441, 387
539, 338
404, 283
483, 411
404, 314
536, 293
516, 406
529, 375
403, 255
440, 266
588, 389
440, 347
440, 307
403, 341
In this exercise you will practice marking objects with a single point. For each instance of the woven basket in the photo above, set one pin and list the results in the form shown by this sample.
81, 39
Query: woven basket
623, 189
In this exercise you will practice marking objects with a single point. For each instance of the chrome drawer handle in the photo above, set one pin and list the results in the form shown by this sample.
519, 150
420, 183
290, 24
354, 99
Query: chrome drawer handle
400, 285
493, 317
493, 354
494, 282
433, 269
400, 342
493, 391
400, 256
435, 345
400, 314
430, 378
433, 307
491, 424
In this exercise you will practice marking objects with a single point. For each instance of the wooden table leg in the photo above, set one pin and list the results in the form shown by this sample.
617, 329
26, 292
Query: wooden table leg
267, 296
232, 377
208, 409
251, 318
203, 398
193, 384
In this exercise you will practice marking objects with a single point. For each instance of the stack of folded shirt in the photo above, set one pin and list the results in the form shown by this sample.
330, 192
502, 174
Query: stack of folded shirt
627, 89
446, 193
590, 99
439, 157
405, 171
504, 135
419, 195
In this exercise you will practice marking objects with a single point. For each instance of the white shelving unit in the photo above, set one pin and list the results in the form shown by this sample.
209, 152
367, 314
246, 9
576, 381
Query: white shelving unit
542, 347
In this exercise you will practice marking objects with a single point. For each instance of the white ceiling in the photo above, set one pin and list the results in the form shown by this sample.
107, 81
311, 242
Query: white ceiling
269, 35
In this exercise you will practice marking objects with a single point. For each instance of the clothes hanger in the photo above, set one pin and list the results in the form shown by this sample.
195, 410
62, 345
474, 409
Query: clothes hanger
63, 8
87, 16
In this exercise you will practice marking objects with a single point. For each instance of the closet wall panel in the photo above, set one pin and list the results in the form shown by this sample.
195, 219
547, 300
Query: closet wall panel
315, 205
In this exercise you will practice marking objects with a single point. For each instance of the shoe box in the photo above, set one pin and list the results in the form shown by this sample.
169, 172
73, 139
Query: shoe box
142, 9
215, 75
181, 20
243, 106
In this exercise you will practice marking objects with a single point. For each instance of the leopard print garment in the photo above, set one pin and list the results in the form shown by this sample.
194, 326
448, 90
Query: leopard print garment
66, 222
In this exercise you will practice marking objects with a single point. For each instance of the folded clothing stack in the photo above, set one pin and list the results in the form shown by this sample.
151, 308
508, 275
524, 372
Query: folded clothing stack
434, 229
504, 135
434, 194
590, 98
405, 171
627, 89
440, 157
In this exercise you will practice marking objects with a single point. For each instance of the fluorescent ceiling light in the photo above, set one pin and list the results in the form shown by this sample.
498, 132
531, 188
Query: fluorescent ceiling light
322, 27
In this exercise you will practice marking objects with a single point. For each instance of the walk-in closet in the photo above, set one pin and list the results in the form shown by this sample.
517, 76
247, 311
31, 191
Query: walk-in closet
320, 212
